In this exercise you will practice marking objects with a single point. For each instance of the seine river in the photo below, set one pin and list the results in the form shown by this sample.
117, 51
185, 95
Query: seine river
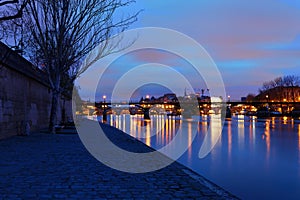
253, 158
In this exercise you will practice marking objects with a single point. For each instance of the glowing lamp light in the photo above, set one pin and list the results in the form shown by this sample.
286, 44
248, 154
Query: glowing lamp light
104, 98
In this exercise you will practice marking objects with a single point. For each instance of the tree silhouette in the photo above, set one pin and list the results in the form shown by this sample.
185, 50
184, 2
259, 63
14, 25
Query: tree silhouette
60, 33
12, 9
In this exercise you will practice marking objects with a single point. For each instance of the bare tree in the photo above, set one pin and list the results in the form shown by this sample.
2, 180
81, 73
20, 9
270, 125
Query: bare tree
282, 87
267, 86
12, 9
250, 97
14, 34
62, 32
291, 82
279, 85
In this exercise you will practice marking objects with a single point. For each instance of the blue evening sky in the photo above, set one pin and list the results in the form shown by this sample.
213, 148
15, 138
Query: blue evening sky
250, 41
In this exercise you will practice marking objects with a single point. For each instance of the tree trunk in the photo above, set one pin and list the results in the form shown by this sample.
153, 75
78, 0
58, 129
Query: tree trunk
63, 112
53, 114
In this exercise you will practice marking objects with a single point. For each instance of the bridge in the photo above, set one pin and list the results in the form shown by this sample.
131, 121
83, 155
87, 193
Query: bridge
200, 103
176, 108
259, 103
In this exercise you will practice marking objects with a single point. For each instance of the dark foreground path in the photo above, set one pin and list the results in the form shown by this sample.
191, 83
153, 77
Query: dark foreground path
45, 166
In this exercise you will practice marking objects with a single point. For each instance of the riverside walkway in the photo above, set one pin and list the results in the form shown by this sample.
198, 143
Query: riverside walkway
46, 166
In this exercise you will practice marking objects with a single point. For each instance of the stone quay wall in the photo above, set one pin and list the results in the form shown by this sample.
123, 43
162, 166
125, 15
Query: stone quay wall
25, 96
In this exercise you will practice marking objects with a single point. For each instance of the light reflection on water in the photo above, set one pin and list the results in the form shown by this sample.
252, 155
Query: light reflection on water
241, 131
253, 159
299, 143
229, 141
267, 138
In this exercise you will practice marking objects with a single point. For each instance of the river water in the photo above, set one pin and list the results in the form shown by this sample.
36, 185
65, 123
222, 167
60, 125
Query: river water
253, 158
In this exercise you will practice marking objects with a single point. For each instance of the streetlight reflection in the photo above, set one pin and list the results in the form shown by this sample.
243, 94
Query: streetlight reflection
299, 141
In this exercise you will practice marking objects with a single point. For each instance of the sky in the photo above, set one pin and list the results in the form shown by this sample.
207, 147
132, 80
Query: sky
249, 41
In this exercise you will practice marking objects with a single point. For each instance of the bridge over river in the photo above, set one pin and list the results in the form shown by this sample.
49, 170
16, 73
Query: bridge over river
189, 108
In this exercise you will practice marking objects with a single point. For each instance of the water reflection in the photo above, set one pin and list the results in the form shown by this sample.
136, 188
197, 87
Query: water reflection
299, 141
160, 130
124, 124
254, 127
285, 120
267, 138
148, 133
273, 122
189, 140
234, 163
241, 130
229, 132
252, 132
215, 128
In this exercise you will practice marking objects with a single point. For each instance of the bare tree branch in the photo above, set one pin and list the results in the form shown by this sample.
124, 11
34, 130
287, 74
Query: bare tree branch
15, 13
280, 85
60, 33
2, 3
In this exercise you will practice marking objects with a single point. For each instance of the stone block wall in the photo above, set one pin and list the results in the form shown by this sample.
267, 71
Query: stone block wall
25, 95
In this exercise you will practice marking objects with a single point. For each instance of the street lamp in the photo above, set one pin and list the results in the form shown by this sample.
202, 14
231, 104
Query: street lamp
228, 98
267, 98
104, 98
